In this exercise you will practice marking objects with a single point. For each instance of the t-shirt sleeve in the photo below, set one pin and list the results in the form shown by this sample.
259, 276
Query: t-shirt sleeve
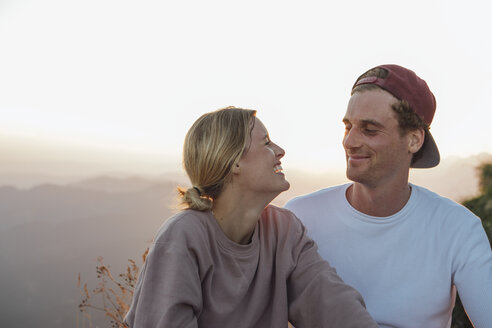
168, 290
473, 272
292, 205
317, 295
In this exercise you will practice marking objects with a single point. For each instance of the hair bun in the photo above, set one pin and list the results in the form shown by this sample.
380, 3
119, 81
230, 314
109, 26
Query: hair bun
193, 199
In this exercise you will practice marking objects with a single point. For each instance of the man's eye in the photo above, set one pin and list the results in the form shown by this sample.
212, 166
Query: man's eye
370, 131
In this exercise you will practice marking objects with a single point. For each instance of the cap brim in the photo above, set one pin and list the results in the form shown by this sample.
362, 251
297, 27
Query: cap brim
430, 154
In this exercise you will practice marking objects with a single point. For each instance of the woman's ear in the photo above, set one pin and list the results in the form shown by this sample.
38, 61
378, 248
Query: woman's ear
416, 140
236, 168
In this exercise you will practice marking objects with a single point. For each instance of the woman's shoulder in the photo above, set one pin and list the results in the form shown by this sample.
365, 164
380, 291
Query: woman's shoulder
281, 227
278, 212
187, 223
281, 218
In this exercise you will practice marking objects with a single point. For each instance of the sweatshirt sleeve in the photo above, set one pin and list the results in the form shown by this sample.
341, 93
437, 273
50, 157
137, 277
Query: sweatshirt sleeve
168, 290
317, 295
473, 273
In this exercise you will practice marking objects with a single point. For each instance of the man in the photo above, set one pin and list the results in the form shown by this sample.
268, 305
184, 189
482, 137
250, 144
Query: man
404, 248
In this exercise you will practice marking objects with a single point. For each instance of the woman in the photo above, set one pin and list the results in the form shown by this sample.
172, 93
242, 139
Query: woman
229, 259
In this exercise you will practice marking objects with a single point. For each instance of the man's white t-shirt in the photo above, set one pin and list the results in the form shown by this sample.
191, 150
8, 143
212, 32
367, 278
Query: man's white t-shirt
406, 266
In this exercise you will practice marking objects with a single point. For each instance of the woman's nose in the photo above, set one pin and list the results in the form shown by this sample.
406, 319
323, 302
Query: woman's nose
279, 152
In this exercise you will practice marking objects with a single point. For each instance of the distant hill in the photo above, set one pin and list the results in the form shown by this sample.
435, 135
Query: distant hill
114, 185
455, 177
50, 233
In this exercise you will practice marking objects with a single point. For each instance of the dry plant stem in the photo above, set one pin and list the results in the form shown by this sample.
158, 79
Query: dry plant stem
116, 295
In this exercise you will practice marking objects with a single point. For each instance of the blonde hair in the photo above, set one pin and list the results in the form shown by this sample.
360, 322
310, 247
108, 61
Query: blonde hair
214, 143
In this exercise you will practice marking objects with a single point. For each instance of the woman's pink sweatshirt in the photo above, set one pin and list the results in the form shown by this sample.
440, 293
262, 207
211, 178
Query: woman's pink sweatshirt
194, 276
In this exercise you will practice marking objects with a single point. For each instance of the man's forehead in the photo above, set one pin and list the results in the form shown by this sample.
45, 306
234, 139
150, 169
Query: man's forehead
370, 106
372, 98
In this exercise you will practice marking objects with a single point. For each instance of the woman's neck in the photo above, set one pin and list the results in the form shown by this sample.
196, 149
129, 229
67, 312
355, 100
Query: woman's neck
238, 213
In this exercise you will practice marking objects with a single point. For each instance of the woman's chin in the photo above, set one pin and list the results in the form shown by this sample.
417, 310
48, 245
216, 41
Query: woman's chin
287, 187
284, 187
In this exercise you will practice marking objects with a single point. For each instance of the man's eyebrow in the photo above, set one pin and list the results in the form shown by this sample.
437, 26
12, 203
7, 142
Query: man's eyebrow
365, 122
372, 122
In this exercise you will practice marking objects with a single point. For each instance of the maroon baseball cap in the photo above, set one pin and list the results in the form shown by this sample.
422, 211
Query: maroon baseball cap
405, 85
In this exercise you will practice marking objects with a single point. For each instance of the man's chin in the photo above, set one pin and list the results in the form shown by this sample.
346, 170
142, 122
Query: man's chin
353, 175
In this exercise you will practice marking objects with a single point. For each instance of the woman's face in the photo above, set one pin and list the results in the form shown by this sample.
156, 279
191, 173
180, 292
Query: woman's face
259, 169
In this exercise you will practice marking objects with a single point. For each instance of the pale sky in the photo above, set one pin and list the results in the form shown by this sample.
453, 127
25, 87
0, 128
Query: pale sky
134, 75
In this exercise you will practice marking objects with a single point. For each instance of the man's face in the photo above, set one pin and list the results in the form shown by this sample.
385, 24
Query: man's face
376, 152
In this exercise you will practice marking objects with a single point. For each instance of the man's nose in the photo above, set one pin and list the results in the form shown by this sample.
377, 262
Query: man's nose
351, 139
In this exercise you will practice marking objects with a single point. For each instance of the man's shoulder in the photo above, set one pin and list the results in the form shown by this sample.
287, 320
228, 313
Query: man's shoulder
433, 197
321, 195
432, 201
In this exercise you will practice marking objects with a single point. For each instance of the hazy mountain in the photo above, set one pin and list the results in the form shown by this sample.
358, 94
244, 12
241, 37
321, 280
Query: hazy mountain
49, 233
455, 177
113, 185
29, 160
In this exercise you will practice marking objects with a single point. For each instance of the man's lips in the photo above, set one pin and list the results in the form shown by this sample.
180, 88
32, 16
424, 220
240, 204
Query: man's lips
355, 158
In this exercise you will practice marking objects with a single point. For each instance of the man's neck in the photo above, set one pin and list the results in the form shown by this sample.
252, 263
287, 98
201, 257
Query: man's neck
380, 201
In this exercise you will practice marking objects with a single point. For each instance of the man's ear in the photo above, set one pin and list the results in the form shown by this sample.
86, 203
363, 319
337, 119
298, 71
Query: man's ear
415, 140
